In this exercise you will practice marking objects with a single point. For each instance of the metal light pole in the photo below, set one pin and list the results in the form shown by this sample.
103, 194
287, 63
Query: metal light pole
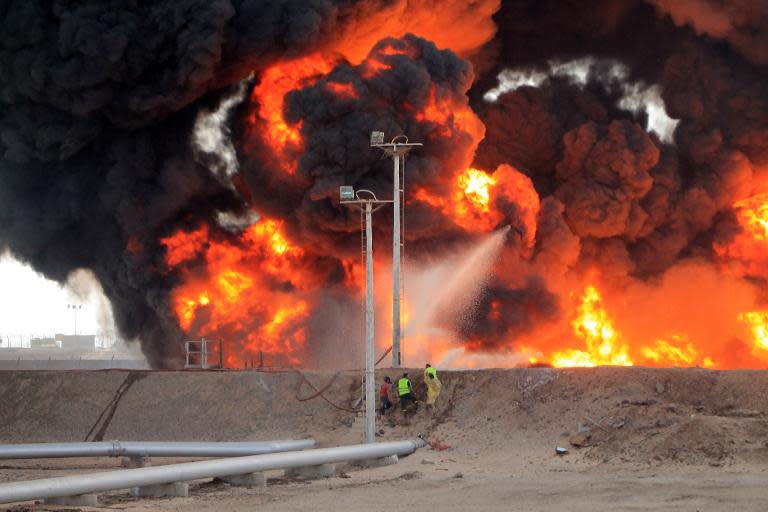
75, 307
349, 196
397, 149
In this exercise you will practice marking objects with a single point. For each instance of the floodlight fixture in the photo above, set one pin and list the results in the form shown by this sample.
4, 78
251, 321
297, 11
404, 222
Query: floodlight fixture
346, 193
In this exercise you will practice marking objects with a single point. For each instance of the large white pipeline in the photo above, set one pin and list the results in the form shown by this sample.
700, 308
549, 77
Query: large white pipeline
149, 449
126, 478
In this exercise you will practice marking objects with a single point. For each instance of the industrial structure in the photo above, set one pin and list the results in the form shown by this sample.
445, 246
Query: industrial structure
397, 149
365, 200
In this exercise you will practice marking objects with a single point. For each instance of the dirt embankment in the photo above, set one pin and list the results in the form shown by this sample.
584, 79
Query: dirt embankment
39, 406
614, 414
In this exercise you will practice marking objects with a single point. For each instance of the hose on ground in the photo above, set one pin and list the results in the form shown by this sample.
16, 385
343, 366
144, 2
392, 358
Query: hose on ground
319, 392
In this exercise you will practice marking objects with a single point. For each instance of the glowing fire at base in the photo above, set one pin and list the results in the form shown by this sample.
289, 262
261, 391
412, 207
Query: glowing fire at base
758, 323
593, 327
233, 290
680, 353
604, 345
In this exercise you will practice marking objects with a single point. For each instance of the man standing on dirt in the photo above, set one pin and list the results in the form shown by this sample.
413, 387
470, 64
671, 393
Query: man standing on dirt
428, 370
433, 389
404, 391
384, 395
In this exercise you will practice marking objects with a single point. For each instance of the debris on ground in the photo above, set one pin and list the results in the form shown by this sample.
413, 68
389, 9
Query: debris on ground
580, 439
438, 445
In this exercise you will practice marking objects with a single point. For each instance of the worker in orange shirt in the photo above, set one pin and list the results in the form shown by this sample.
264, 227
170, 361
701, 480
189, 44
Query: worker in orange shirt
384, 395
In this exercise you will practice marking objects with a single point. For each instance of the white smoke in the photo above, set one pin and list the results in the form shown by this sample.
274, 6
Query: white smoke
637, 96
212, 137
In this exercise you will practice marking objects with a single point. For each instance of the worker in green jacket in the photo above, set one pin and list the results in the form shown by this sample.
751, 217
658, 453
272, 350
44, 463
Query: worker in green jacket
404, 391
429, 371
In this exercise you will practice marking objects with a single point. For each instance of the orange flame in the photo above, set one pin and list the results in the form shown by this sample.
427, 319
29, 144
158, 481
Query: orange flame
184, 246
753, 214
679, 352
758, 323
469, 201
747, 253
233, 295
236, 291
449, 116
472, 203
374, 21
593, 327
604, 344
346, 90
376, 64
276, 81
475, 184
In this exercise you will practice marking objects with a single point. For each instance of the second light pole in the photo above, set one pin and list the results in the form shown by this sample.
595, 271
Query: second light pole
351, 197
74, 308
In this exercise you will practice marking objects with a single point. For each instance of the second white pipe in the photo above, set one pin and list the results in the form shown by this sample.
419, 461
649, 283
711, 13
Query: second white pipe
126, 478
150, 449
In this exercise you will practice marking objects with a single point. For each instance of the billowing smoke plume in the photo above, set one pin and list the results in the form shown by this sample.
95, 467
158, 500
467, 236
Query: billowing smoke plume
419, 90
101, 169
741, 23
98, 104
638, 207
618, 184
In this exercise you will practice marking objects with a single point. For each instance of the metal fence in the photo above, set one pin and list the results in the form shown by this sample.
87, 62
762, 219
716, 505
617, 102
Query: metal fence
24, 340
203, 354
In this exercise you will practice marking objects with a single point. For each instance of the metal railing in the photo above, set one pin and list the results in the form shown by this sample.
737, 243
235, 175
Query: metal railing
198, 354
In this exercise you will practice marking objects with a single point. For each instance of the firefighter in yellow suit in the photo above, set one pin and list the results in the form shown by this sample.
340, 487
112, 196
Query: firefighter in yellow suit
433, 388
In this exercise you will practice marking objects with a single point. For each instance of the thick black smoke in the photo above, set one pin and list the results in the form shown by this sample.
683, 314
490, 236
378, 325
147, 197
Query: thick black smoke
337, 128
98, 101
624, 189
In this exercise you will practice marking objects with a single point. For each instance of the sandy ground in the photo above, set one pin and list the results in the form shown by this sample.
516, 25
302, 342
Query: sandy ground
455, 482
651, 439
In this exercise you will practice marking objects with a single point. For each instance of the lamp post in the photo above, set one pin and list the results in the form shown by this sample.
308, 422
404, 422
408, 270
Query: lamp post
397, 149
349, 196
74, 308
